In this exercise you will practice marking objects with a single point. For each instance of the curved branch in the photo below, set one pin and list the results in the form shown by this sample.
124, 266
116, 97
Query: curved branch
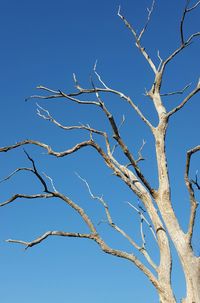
24, 196
49, 150
15, 172
186, 10
47, 234
184, 43
193, 201
100, 242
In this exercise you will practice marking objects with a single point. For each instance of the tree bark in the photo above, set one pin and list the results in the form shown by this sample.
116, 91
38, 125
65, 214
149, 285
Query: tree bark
190, 263
191, 267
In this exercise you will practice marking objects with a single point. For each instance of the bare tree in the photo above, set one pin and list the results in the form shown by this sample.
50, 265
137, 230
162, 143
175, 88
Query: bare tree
156, 210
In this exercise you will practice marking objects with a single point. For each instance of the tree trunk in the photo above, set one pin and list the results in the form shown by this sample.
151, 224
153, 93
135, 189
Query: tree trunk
166, 296
191, 267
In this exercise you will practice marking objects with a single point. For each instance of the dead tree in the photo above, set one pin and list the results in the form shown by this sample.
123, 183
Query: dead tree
156, 202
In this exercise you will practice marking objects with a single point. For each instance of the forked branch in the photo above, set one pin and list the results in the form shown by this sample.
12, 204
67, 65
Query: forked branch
113, 225
186, 11
138, 37
187, 98
184, 42
142, 217
93, 235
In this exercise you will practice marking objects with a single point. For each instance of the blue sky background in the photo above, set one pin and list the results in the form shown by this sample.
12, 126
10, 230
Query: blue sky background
43, 43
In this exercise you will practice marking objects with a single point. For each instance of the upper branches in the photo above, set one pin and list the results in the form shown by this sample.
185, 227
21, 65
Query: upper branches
85, 91
184, 41
116, 135
186, 11
138, 37
154, 93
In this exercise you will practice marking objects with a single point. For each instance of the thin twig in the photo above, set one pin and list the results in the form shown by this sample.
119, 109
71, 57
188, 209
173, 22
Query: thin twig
140, 157
144, 218
51, 180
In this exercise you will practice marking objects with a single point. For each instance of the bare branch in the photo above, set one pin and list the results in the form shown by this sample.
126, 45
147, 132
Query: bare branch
138, 37
193, 7
100, 242
46, 115
77, 100
150, 11
116, 227
16, 171
181, 105
99, 77
76, 82
124, 148
48, 148
186, 10
81, 91
24, 196
182, 22
120, 142
32, 170
47, 234
61, 94
184, 43
195, 182
193, 201
140, 157
142, 233
161, 60
108, 215
37, 174
47, 89
96, 90
179, 92
122, 122
51, 180
116, 145
107, 159
144, 218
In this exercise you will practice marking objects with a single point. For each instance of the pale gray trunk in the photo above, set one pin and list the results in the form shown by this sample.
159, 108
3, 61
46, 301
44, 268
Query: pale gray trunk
166, 294
166, 298
190, 264
191, 267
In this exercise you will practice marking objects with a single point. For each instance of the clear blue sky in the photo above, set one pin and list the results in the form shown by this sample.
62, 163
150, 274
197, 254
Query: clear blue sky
43, 43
